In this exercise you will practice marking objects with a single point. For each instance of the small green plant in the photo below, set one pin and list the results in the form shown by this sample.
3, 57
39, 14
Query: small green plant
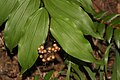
29, 23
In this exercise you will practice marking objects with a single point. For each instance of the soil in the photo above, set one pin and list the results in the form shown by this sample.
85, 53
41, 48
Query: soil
10, 68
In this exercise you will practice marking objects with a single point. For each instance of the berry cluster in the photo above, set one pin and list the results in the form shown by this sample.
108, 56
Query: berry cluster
48, 54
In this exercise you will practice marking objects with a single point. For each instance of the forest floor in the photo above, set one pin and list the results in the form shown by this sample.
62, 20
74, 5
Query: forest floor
9, 66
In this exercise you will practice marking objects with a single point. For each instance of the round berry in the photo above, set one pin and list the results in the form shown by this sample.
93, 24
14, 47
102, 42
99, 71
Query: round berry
53, 57
49, 48
54, 45
48, 59
43, 60
41, 56
42, 47
58, 49
44, 51
53, 49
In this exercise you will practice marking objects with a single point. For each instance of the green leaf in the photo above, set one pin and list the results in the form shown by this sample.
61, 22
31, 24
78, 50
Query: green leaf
100, 28
35, 35
68, 71
105, 58
68, 10
101, 72
99, 15
115, 21
36, 77
48, 75
110, 17
77, 70
55, 78
14, 27
117, 37
91, 74
116, 67
109, 33
87, 5
75, 1
75, 76
6, 7
71, 39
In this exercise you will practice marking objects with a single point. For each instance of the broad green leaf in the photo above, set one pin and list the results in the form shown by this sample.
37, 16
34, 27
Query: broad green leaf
117, 37
116, 67
68, 71
101, 72
115, 21
109, 18
55, 78
75, 1
90, 73
14, 27
100, 28
105, 58
109, 33
78, 72
87, 5
101, 75
6, 7
36, 77
68, 10
71, 39
48, 75
99, 15
75, 76
35, 35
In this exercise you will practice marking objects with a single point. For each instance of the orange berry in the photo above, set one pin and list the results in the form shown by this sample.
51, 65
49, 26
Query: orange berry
58, 49
41, 56
53, 57
39, 51
43, 60
54, 45
49, 48
53, 49
44, 51
42, 47
38, 48
48, 59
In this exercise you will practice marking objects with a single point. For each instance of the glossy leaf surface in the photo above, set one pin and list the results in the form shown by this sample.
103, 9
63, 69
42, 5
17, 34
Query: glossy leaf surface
99, 15
48, 75
76, 77
109, 33
116, 67
117, 37
6, 7
75, 1
65, 9
78, 72
87, 5
100, 28
115, 21
90, 73
110, 17
105, 58
71, 39
35, 35
14, 27
68, 71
